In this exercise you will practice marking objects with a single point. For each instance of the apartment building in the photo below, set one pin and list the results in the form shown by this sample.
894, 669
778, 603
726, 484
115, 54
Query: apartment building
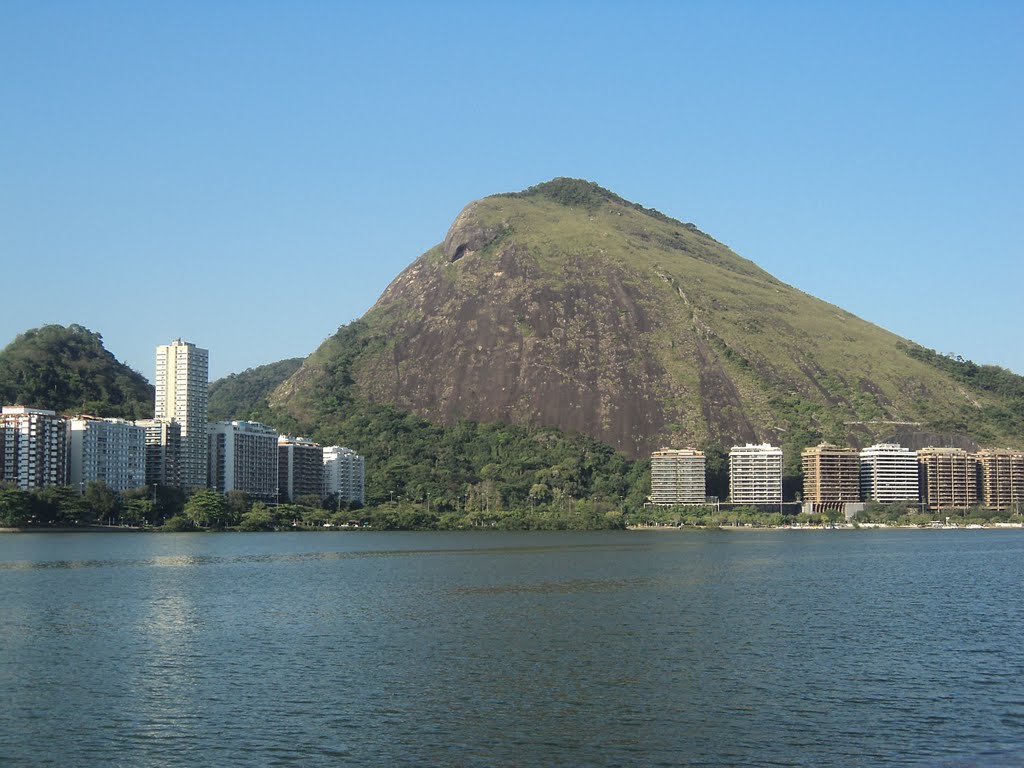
888, 474
163, 451
678, 477
182, 395
243, 457
755, 474
112, 451
1002, 479
300, 468
344, 474
949, 478
33, 447
831, 476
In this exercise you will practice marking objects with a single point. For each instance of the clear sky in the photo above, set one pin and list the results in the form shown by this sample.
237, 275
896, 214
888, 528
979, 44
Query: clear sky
249, 176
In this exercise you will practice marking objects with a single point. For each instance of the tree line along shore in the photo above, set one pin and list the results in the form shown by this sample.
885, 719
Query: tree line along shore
170, 509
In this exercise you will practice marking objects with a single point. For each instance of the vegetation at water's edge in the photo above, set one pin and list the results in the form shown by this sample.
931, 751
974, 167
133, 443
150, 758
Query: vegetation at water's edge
171, 510
67, 369
167, 509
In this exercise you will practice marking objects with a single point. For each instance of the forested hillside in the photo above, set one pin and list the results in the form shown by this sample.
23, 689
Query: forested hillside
67, 369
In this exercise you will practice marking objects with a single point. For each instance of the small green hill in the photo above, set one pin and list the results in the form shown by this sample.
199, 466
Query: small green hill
67, 369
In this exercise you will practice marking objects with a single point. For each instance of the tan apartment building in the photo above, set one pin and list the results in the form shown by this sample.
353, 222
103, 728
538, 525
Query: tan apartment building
678, 477
831, 476
949, 477
1002, 479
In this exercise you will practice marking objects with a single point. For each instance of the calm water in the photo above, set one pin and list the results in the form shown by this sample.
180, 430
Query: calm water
631, 648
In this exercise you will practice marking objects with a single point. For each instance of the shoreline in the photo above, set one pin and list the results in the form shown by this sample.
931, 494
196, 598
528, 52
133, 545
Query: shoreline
83, 529
726, 528
840, 527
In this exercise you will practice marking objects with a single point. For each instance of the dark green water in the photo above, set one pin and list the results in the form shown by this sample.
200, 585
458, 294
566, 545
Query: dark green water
633, 648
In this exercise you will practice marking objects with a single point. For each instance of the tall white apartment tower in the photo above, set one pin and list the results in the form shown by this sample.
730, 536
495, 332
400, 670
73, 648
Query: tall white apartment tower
182, 384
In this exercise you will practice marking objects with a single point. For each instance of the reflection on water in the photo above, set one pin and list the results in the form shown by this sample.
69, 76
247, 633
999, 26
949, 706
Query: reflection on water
512, 649
189, 560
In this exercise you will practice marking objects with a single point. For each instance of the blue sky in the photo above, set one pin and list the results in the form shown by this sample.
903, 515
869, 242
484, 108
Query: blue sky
250, 176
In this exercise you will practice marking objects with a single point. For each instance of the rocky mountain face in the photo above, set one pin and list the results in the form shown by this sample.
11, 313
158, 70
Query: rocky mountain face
567, 306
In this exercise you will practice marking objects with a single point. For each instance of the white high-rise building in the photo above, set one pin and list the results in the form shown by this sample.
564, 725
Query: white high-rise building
112, 451
182, 384
243, 457
33, 447
678, 477
344, 474
755, 474
888, 473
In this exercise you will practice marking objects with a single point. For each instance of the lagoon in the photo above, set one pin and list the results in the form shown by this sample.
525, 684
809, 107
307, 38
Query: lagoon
705, 648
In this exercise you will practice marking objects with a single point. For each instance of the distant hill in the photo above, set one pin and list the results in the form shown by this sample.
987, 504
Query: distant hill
567, 306
243, 396
67, 369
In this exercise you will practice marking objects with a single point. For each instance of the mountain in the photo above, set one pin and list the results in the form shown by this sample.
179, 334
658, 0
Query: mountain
567, 306
67, 369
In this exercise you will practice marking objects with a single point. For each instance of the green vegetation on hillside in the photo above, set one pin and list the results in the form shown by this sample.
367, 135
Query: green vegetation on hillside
243, 396
1007, 415
484, 468
67, 369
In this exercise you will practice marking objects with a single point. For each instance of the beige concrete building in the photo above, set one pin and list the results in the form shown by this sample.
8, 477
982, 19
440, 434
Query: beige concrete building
755, 474
949, 478
831, 476
1002, 479
678, 477
182, 385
